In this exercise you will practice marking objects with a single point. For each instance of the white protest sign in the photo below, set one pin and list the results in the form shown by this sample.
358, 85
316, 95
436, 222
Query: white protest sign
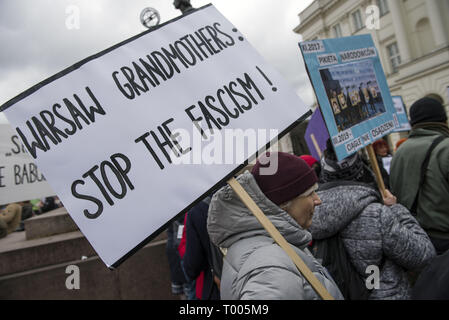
116, 135
386, 161
20, 179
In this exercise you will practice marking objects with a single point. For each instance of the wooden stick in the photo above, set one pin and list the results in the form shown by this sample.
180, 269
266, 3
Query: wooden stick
374, 164
274, 233
315, 144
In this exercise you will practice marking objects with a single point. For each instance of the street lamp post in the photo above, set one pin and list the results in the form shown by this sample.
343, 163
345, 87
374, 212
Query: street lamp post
150, 17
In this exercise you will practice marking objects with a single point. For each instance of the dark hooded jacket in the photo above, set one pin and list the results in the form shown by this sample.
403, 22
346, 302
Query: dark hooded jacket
198, 255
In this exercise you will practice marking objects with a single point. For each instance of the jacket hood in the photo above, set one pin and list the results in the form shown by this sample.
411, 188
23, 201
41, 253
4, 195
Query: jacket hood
342, 202
429, 129
229, 220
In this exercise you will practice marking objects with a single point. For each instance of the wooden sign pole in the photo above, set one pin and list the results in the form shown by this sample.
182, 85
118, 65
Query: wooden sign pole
274, 233
373, 160
315, 144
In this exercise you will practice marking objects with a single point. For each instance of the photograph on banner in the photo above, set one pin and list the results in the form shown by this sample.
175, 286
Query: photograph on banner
125, 154
316, 135
20, 179
400, 116
352, 91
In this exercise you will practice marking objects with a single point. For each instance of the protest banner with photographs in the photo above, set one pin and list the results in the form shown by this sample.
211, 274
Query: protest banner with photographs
351, 89
400, 116
129, 138
316, 135
20, 179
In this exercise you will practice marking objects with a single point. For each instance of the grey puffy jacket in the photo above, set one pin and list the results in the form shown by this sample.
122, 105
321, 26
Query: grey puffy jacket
373, 234
255, 267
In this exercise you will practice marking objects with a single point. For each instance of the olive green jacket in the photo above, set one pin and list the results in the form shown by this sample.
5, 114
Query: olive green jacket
433, 201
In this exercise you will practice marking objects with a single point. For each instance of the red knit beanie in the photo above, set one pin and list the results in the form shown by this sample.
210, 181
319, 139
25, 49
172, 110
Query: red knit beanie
292, 178
309, 159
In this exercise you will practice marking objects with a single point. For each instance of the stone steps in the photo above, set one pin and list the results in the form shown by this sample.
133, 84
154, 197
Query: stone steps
18, 254
57, 221
143, 276
33, 265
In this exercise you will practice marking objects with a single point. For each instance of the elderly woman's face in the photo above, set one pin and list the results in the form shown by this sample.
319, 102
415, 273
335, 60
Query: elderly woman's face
302, 208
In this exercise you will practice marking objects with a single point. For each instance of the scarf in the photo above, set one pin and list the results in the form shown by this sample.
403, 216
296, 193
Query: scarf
349, 169
439, 127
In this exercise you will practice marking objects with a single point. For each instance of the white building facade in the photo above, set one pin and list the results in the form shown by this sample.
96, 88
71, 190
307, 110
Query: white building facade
412, 37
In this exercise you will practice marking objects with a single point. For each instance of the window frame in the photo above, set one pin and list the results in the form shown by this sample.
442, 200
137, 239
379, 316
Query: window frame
335, 28
383, 7
394, 57
357, 20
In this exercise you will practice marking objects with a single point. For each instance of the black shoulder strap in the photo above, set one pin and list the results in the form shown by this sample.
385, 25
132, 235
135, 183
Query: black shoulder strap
423, 172
215, 260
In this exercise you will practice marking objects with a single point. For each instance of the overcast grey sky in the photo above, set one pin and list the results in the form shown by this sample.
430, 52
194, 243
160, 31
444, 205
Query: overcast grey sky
36, 43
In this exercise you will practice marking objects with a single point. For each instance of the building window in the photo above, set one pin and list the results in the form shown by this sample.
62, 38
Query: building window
383, 7
357, 19
337, 31
425, 36
393, 54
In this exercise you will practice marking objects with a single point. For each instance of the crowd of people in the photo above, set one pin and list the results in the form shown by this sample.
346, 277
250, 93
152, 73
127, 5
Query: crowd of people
330, 212
224, 252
